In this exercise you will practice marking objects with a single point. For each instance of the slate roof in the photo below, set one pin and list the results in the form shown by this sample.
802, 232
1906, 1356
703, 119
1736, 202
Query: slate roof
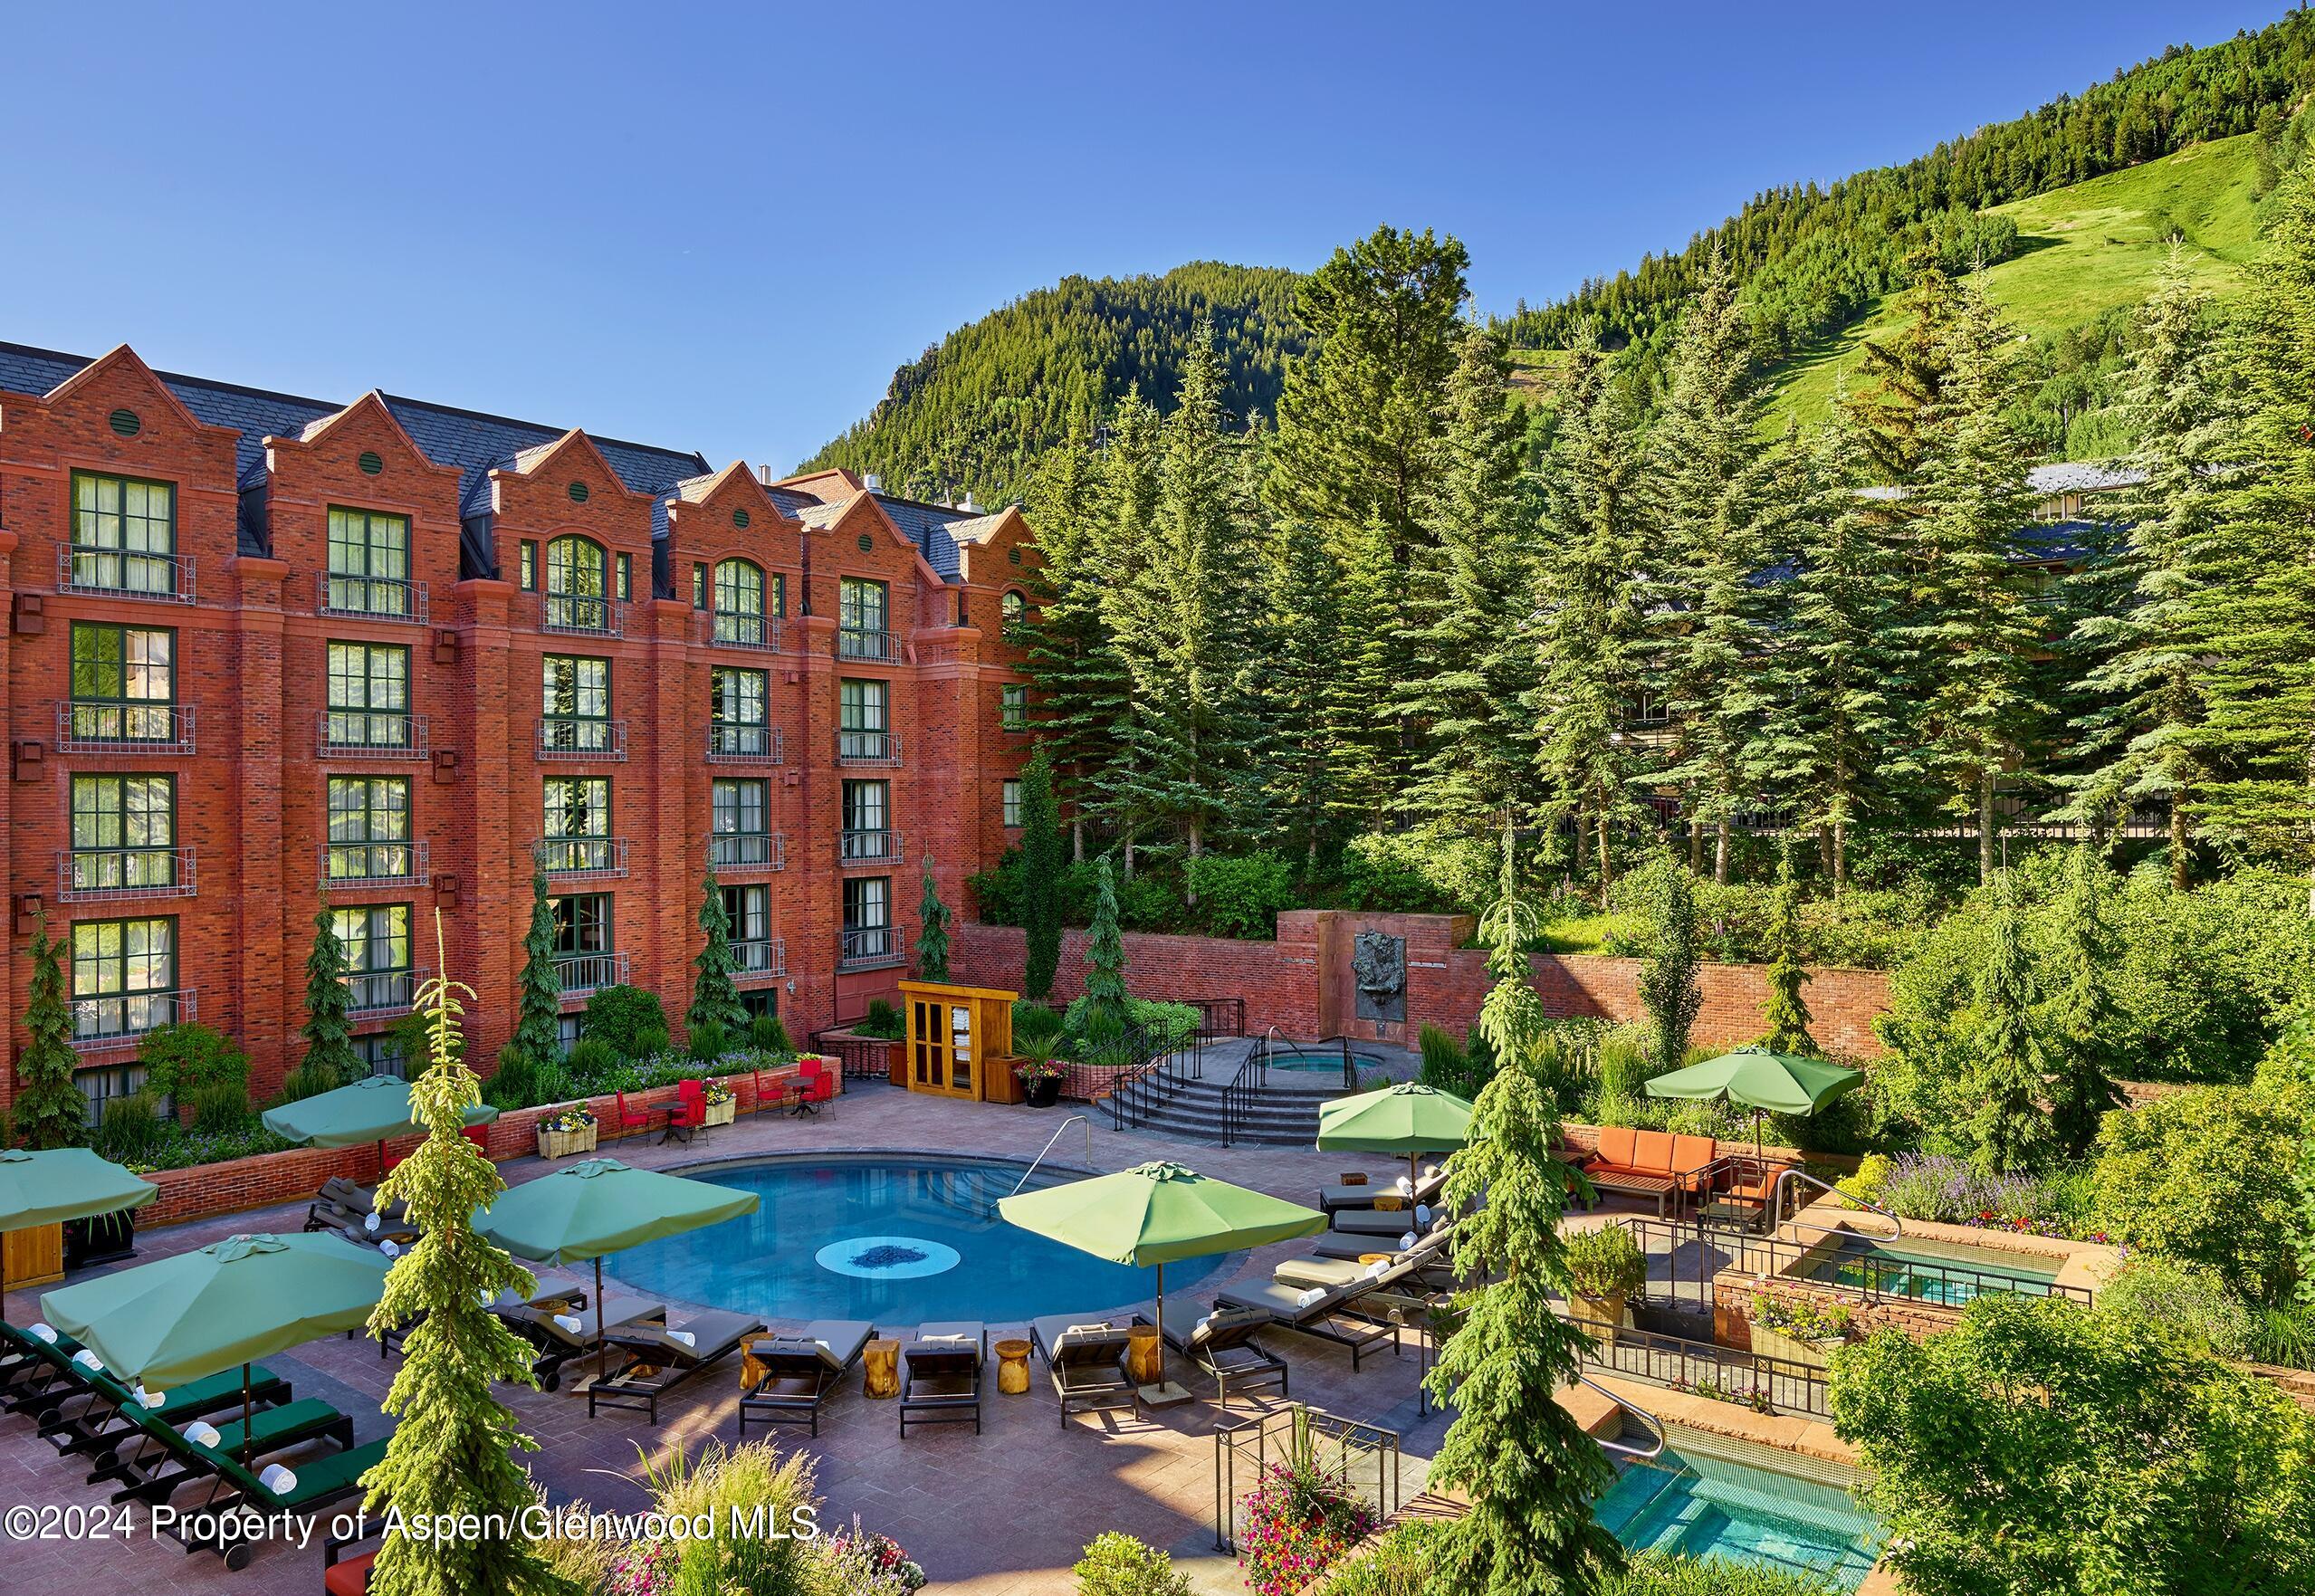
2079, 476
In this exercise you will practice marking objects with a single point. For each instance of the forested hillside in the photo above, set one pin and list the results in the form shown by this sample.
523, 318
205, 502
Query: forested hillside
975, 410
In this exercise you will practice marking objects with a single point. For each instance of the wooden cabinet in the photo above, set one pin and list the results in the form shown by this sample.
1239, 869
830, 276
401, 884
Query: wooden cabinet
960, 1041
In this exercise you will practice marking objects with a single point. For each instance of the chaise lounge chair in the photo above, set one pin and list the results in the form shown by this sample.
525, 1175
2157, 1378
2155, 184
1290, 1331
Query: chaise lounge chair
800, 1372
1337, 1199
1337, 1261
940, 1382
1329, 1314
163, 1457
1086, 1356
1220, 1345
1385, 1223
251, 1495
659, 1357
562, 1327
112, 1412
350, 1211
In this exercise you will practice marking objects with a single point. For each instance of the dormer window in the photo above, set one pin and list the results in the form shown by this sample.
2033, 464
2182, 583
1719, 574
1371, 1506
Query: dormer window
578, 585
739, 603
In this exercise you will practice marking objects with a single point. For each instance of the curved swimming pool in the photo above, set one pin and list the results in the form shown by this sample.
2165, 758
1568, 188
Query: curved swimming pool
898, 1241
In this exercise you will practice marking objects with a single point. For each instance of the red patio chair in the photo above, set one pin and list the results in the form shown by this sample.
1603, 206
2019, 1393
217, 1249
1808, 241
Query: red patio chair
480, 1135
690, 1114
626, 1121
817, 1083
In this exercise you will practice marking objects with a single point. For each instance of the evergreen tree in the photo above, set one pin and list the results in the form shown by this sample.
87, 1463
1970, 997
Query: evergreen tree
1040, 877
716, 997
1713, 509
452, 1451
1471, 592
2008, 1124
1588, 607
329, 1037
1067, 648
1300, 685
1909, 370
2137, 736
1668, 984
49, 1110
1787, 1016
1105, 996
2084, 1019
1528, 1470
538, 1019
932, 938
1128, 543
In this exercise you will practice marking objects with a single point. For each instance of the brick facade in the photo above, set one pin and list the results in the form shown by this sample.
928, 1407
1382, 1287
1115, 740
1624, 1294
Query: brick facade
254, 480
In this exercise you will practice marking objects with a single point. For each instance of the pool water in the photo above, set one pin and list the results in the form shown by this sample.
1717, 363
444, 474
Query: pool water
1949, 1280
1327, 1060
896, 1242
1705, 1506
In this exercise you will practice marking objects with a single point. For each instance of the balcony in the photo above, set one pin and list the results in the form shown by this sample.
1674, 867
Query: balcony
760, 959
115, 1019
106, 726
106, 876
580, 614
358, 864
377, 599
122, 573
579, 973
576, 737
869, 846
867, 748
724, 628
371, 992
868, 642
870, 946
371, 734
733, 742
581, 858
748, 850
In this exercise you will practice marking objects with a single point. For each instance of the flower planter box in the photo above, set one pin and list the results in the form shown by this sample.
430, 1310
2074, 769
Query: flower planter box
1601, 1317
721, 1114
563, 1144
1809, 1354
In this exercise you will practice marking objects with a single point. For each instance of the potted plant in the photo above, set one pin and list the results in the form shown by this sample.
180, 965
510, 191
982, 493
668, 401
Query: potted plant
1799, 1329
1603, 1267
566, 1131
1039, 1076
722, 1103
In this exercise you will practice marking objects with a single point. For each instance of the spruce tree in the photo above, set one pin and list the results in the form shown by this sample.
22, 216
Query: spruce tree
49, 1110
538, 1019
1127, 545
329, 1037
1300, 685
1589, 607
1712, 508
451, 1455
2008, 1124
1105, 996
1528, 1470
1040, 877
715, 997
1066, 646
2083, 1018
1787, 1014
1668, 984
2137, 733
1908, 370
1471, 594
933, 935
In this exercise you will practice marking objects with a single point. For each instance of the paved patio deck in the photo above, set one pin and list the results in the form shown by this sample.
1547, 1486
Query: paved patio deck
1003, 1512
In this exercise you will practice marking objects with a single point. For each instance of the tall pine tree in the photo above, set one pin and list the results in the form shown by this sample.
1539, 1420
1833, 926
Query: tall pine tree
538, 1016
2008, 1123
49, 1110
2084, 1019
329, 1037
715, 997
932, 933
1041, 905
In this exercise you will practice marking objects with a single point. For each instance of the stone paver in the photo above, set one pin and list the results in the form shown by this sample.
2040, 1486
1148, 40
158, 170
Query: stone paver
1003, 1513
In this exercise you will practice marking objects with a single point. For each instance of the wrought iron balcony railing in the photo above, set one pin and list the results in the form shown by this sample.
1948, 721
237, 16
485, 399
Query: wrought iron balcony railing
125, 573
725, 628
866, 947
586, 614
113, 726
735, 742
373, 863
382, 991
748, 850
581, 857
867, 643
372, 734
584, 973
874, 845
377, 599
578, 737
112, 1019
93, 875
867, 748
760, 959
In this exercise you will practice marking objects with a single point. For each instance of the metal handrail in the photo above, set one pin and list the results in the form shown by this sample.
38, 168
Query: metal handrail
1776, 1198
1635, 1409
1074, 1119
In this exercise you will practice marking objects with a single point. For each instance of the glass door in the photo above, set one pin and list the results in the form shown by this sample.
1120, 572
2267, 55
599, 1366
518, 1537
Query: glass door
941, 1049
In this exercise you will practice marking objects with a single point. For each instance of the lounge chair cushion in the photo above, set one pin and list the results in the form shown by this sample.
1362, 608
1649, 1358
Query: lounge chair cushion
1692, 1154
1651, 1152
1615, 1148
1325, 1273
971, 1329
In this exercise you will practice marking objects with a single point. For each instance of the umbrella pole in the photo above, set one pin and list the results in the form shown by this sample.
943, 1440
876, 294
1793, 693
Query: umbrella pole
1160, 1319
245, 1416
602, 1356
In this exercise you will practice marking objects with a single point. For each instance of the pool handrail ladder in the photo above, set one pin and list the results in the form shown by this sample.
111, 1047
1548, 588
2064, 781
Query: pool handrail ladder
1776, 1199
1075, 1119
1631, 1409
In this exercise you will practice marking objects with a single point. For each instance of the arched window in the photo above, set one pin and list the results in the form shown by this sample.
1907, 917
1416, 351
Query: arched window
739, 603
578, 585
1013, 606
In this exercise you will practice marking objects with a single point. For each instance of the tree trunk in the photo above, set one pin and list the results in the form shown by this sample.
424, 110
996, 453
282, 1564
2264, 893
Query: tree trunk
1984, 826
1840, 857
1694, 845
1129, 855
1720, 855
2177, 846
1607, 861
1582, 842
1077, 839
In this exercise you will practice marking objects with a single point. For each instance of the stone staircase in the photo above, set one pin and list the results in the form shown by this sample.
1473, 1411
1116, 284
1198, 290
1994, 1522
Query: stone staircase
1282, 1113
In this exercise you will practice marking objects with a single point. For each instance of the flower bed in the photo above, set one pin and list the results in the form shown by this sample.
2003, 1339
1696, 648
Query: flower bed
1299, 1522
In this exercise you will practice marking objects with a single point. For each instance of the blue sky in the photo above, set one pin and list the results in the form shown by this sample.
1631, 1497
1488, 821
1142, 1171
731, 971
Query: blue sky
722, 228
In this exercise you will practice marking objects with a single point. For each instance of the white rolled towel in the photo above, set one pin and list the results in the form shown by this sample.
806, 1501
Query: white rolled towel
1423, 1213
389, 1249
1378, 1269
278, 1479
1310, 1296
1430, 1172
1406, 1187
88, 1361
40, 1330
201, 1433
146, 1399
685, 1336
571, 1321
369, 1223
1406, 1241
1205, 1322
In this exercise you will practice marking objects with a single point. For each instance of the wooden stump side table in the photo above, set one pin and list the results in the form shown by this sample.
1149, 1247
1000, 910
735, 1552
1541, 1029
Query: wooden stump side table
1012, 1367
882, 1378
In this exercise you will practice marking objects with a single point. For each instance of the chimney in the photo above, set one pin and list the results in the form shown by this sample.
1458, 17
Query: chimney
872, 481
969, 505
763, 476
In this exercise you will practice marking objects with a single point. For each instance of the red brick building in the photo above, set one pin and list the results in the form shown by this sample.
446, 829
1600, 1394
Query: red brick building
262, 646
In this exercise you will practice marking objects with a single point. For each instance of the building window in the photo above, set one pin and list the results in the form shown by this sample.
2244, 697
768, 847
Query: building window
1013, 606
578, 579
749, 908
124, 834
124, 978
739, 603
369, 562
740, 815
380, 1052
369, 829
862, 620
699, 585
124, 534
377, 939
369, 695
530, 566
626, 577
583, 955
124, 682
868, 931
1010, 798
737, 711
861, 709
578, 829
867, 815
576, 701
780, 593
1012, 704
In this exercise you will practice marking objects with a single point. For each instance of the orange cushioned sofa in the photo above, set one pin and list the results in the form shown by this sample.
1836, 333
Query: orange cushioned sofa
1650, 1163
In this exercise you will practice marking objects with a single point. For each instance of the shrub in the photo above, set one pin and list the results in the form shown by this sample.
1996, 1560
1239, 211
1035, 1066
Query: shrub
595, 1067
769, 1033
1869, 1183
1803, 1317
1036, 1022
708, 1042
1431, 868
220, 1109
411, 1041
1605, 1262
882, 1021
1149, 900
1447, 1063
514, 1084
1665, 1573
129, 1130
629, 1020
2193, 1176
1955, 1191
306, 1081
1116, 1565
180, 1060
749, 1484
1395, 1565
2182, 1297
1240, 896
2284, 1335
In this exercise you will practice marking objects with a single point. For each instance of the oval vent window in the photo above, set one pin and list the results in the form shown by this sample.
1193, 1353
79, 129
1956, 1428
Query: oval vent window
369, 462
578, 493
739, 520
868, 543
125, 422
1013, 556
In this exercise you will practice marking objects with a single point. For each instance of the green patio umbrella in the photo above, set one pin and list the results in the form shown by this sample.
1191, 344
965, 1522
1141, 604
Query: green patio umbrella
1408, 1117
603, 1206
1155, 1214
60, 1183
376, 1108
1762, 1081
234, 1301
